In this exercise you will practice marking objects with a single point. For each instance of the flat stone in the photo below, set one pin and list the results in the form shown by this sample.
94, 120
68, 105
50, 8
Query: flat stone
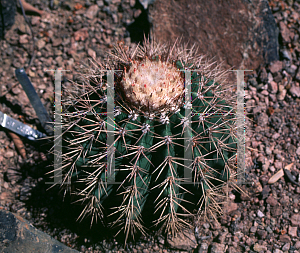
292, 231
92, 11
262, 234
295, 219
297, 77
273, 87
18, 235
285, 32
275, 67
295, 91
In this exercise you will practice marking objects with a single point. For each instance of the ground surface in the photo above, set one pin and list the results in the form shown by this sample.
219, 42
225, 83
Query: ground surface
266, 221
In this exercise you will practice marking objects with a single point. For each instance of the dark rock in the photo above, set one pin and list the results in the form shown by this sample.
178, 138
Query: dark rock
251, 36
18, 235
262, 234
263, 75
285, 238
265, 192
7, 15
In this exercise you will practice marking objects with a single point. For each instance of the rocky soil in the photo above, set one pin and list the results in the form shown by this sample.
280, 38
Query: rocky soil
265, 220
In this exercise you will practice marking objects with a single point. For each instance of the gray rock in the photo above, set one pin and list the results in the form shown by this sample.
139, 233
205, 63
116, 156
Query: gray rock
286, 246
8, 12
18, 235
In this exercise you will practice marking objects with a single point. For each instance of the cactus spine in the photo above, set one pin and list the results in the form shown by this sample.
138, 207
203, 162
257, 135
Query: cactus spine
149, 144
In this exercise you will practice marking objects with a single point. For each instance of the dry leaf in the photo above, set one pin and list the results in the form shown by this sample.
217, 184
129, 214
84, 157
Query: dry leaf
279, 174
276, 177
19, 144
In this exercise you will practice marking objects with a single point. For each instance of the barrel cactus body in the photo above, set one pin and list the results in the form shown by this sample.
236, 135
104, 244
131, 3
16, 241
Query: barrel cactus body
157, 145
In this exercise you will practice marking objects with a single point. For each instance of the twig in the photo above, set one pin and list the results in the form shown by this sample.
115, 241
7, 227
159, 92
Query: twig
29, 7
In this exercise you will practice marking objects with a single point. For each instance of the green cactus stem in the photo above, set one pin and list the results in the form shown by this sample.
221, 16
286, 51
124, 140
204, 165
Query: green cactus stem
149, 147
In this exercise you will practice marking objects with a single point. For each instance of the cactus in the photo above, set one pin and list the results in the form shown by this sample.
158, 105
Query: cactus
152, 133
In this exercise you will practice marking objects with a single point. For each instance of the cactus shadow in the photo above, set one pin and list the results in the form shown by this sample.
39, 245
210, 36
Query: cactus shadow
54, 212
140, 28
